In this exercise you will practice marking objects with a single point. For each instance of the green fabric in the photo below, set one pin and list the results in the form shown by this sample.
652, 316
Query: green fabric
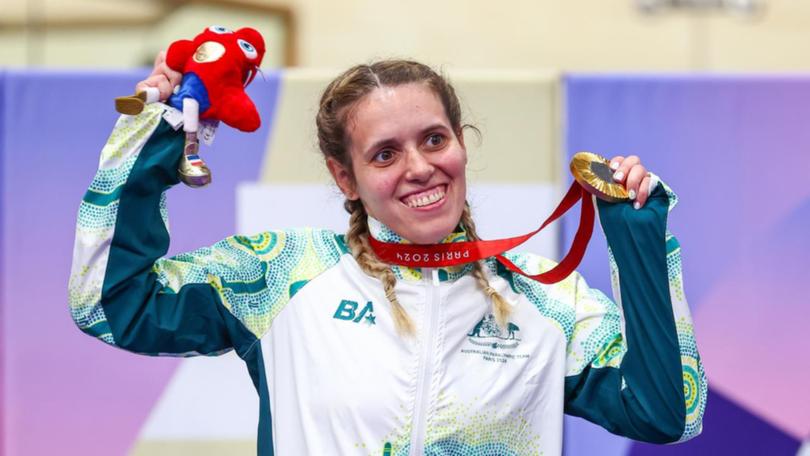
98, 329
255, 364
251, 287
102, 199
340, 241
142, 317
642, 398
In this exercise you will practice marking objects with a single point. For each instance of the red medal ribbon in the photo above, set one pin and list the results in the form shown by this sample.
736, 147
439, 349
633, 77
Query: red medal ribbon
456, 253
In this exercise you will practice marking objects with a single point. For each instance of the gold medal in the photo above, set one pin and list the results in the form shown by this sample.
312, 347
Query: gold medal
593, 173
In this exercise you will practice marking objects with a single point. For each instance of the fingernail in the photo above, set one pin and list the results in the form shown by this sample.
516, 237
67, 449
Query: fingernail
631, 194
637, 205
618, 175
614, 166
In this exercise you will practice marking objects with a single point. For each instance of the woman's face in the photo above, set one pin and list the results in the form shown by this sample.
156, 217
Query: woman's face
408, 163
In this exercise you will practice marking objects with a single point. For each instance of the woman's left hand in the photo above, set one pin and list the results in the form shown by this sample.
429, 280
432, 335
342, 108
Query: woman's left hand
634, 176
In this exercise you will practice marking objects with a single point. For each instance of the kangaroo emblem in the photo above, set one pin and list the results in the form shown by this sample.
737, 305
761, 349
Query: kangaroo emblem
476, 332
488, 332
511, 327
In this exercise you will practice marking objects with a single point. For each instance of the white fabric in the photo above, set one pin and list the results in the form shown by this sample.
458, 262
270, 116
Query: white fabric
152, 94
191, 115
374, 382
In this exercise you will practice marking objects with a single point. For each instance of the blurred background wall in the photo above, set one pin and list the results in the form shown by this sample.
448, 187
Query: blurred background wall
712, 93
721, 35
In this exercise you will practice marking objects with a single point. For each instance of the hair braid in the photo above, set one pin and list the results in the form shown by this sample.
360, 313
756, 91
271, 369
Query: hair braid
357, 238
500, 307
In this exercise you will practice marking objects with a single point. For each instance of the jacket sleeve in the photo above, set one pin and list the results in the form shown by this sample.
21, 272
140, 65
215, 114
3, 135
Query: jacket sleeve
633, 365
209, 301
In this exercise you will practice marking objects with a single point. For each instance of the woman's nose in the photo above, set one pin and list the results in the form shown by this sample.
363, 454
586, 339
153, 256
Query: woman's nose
419, 166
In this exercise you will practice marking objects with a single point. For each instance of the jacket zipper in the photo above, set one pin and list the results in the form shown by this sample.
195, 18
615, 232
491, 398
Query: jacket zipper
431, 323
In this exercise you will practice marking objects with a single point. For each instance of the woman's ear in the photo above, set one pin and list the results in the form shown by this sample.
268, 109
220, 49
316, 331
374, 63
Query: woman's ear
460, 137
343, 178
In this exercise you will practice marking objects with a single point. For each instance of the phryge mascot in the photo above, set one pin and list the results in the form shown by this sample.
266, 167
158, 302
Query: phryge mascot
217, 66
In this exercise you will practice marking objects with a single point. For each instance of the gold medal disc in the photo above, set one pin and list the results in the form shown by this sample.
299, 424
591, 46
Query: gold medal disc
593, 173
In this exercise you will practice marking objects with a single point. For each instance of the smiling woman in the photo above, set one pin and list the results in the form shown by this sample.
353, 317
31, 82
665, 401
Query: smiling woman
350, 355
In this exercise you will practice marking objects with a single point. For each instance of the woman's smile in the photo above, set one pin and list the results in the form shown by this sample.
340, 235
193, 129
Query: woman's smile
426, 200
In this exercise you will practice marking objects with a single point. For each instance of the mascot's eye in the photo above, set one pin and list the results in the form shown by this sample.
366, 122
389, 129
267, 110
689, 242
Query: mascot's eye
219, 29
248, 49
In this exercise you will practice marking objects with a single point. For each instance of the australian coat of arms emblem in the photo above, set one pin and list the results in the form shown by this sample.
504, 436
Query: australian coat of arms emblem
488, 333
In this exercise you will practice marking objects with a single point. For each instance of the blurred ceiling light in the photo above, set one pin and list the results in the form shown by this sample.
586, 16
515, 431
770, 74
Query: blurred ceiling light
740, 7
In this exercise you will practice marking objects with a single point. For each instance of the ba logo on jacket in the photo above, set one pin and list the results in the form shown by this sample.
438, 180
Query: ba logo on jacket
347, 310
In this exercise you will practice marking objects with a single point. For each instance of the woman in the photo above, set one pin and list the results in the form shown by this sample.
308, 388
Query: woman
353, 356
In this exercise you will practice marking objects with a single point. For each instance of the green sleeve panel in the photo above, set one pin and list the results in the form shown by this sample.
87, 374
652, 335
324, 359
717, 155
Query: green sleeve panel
203, 302
640, 374
254, 359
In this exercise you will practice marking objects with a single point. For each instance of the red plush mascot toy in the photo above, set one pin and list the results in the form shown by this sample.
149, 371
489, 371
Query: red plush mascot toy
217, 66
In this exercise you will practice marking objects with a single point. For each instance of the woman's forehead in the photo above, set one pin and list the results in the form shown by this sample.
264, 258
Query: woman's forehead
391, 112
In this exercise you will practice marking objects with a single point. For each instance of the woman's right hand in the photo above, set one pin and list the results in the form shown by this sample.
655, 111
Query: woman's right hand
163, 78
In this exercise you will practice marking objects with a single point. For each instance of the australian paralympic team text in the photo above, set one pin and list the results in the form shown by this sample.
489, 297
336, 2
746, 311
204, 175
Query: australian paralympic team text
437, 256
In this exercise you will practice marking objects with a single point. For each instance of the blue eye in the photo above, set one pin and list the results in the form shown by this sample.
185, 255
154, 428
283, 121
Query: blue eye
247, 48
219, 29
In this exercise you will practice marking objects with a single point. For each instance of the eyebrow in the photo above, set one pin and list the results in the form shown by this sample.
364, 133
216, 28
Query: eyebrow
392, 141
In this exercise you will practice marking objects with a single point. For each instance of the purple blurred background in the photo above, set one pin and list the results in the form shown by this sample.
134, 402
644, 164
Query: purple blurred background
735, 151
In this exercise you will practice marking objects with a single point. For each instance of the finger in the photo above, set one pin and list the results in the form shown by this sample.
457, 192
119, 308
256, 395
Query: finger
158, 81
151, 81
643, 193
615, 162
174, 76
159, 58
165, 87
160, 62
634, 177
163, 68
160, 73
624, 168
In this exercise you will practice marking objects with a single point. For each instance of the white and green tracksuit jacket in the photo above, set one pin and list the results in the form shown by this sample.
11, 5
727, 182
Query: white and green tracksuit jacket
331, 372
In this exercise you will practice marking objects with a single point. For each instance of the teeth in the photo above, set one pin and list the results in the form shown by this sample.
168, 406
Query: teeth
426, 199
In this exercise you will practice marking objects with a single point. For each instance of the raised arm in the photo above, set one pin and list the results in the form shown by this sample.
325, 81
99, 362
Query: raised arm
633, 367
208, 301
